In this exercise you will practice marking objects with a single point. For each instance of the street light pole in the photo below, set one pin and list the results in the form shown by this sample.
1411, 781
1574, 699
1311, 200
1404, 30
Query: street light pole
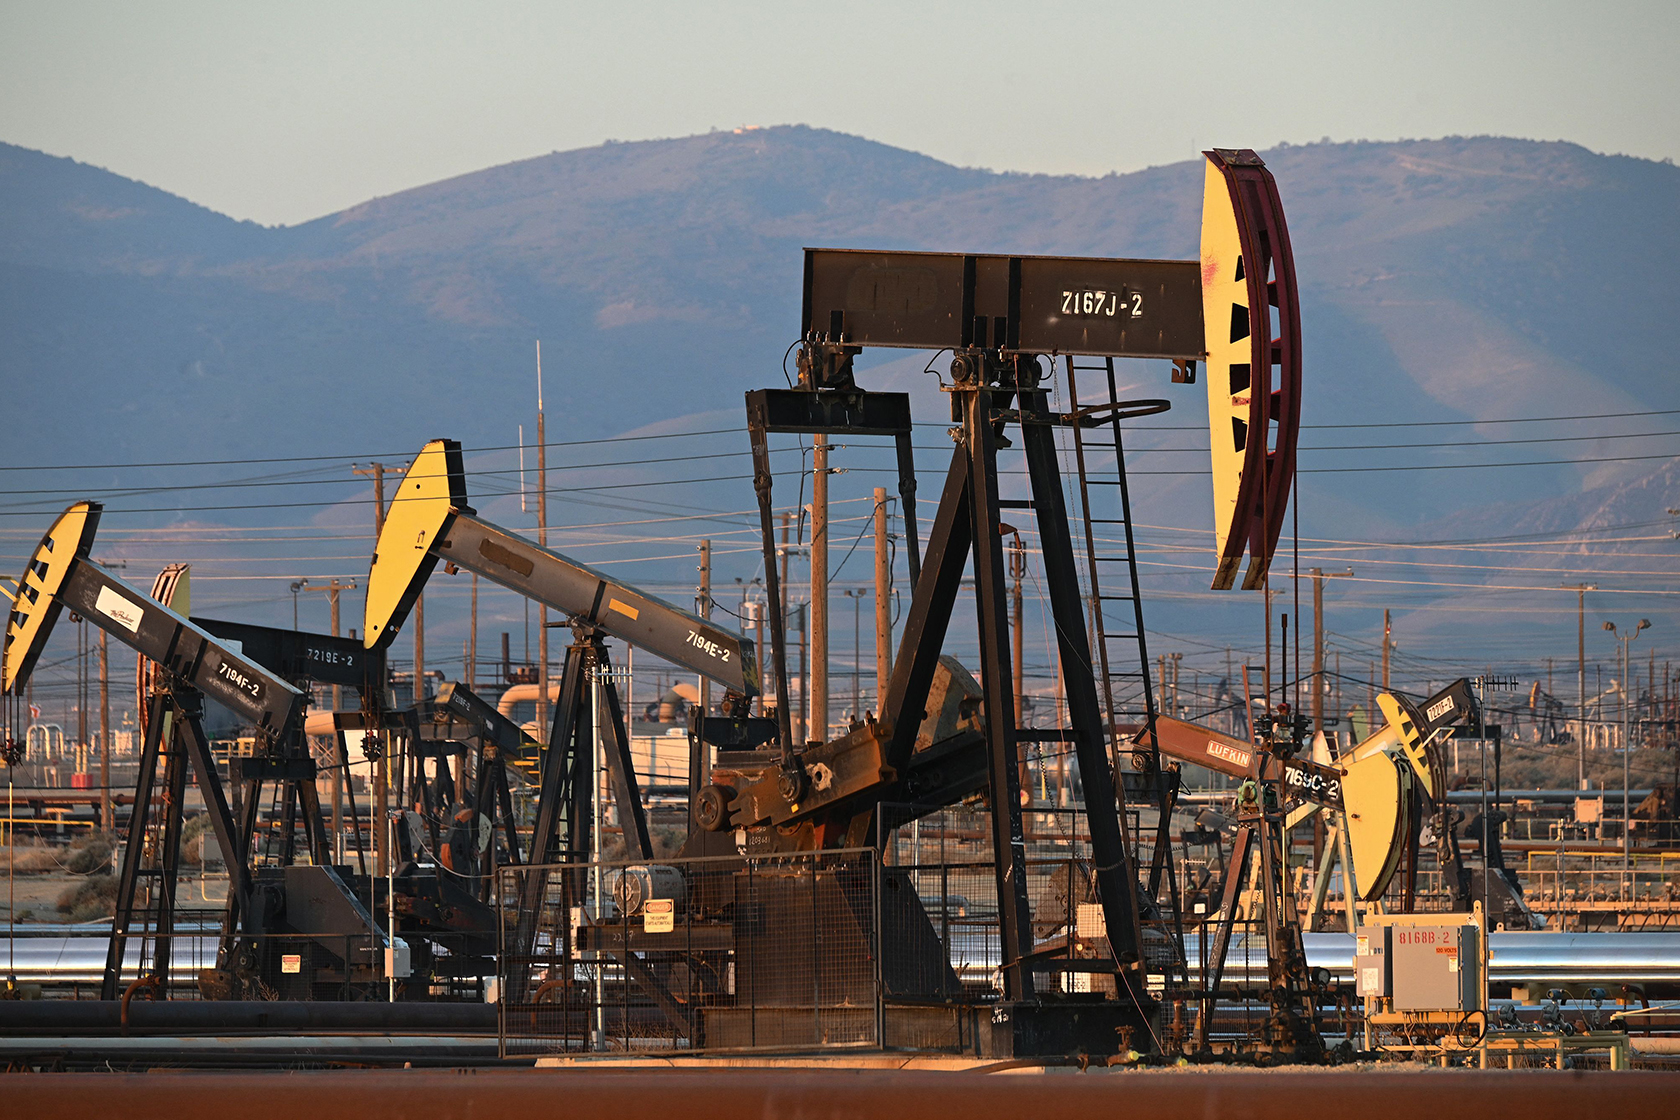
856, 594
1627, 752
297, 585
1319, 575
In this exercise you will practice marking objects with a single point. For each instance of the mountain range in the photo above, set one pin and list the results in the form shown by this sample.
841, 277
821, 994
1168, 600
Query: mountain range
1468, 280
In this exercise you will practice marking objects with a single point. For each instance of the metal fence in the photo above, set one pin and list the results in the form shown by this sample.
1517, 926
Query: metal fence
947, 854
896, 946
714, 953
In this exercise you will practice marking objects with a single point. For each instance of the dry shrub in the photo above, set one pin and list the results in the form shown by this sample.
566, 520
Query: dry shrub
93, 897
89, 854
26, 858
193, 831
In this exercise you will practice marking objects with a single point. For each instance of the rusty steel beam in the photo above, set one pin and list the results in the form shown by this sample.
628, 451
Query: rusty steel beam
736, 1093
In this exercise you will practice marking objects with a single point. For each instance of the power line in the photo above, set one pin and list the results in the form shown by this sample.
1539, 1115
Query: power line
1431, 423
1202, 450
354, 458
736, 431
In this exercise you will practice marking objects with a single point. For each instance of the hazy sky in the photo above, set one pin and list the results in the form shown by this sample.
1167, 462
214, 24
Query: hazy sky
283, 112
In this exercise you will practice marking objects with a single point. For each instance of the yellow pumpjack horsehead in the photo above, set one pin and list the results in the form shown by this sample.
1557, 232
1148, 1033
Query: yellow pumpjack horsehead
1253, 362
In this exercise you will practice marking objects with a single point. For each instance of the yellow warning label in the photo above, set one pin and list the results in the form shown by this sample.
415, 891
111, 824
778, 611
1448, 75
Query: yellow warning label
623, 608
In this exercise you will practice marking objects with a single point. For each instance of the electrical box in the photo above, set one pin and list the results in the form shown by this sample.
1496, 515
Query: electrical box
398, 959
1435, 968
1370, 963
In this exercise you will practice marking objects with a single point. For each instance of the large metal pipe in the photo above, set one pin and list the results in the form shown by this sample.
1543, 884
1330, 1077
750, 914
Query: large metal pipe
256, 1051
1465, 796
255, 1017
704, 1094
1518, 957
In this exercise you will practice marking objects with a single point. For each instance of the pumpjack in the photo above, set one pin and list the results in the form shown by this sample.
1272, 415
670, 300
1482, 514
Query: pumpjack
292, 927
430, 520
1378, 794
1008, 320
190, 664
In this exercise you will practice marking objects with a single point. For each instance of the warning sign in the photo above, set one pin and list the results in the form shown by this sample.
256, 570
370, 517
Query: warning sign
659, 915
291, 963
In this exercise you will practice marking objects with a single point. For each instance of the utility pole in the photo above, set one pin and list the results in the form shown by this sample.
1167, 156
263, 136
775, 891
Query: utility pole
106, 820
883, 605
787, 523
1338, 684
420, 649
800, 732
331, 590
377, 472
381, 766
817, 730
1650, 686
1318, 578
703, 608
786, 553
1581, 590
1231, 690
542, 540
856, 594
472, 639
754, 613
1626, 639
79, 758
1161, 675
1386, 644
1177, 708
699, 765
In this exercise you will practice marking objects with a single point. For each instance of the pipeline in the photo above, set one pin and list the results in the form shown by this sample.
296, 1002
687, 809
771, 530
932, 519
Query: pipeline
94, 1018
1518, 957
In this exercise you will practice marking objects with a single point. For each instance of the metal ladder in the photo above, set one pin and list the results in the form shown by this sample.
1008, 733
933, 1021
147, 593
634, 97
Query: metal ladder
1117, 631
1116, 618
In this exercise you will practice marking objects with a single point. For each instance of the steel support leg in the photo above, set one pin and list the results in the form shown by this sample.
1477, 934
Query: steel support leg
169, 855
762, 481
555, 802
314, 825
929, 617
1236, 873
350, 799
221, 819
907, 500
615, 741
510, 826
1104, 800
128, 878
991, 610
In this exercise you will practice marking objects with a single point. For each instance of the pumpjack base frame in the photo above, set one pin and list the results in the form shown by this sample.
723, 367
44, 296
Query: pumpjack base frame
1070, 1025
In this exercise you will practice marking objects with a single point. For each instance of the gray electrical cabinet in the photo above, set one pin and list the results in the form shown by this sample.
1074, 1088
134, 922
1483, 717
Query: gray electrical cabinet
1435, 968
1370, 963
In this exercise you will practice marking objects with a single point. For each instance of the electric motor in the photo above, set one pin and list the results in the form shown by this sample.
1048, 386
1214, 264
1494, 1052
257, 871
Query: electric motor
636, 885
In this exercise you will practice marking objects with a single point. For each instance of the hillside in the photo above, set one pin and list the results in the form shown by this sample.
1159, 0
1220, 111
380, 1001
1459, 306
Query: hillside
1458, 279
